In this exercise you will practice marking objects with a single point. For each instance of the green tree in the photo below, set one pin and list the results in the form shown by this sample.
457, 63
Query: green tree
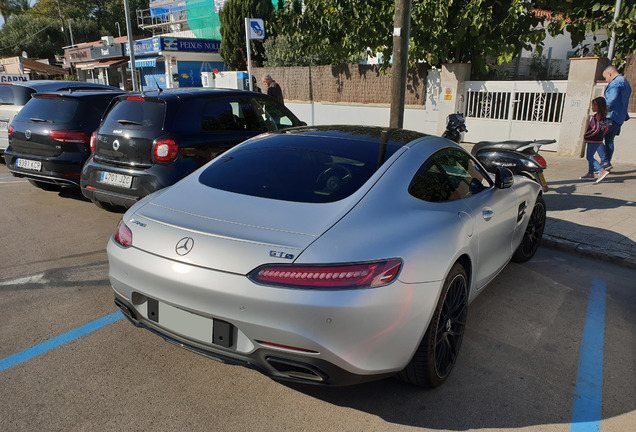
40, 37
583, 17
232, 16
477, 31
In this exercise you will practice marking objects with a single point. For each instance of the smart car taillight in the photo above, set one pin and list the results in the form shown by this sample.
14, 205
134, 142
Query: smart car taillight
165, 150
358, 275
70, 137
93, 139
123, 235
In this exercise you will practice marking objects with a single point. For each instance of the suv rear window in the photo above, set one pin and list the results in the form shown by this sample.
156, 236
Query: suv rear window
299, 169
14, 95
53, 110
136, 113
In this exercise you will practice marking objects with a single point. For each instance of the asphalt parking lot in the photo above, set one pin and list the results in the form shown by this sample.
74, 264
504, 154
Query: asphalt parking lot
550, 346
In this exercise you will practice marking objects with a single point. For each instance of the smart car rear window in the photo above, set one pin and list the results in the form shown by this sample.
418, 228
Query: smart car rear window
136, 113
309, 172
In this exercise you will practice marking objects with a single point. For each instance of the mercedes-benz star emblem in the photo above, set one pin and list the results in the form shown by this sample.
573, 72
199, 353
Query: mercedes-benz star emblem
184, 246
27, 134
116, 145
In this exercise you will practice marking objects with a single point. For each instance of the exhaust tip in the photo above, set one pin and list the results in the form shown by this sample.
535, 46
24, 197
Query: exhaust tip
297, 370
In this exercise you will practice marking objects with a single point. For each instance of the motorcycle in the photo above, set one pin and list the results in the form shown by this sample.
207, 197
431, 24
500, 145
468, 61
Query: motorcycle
520, 157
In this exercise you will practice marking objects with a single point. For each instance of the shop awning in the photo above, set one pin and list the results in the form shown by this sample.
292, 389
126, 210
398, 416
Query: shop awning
145, 62
85, 65
43, 68
109, 63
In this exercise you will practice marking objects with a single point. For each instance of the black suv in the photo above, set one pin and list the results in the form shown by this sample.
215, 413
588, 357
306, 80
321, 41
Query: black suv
49, 138
13, 96
151, 140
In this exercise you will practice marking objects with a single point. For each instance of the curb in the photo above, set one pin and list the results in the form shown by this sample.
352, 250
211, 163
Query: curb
619, 258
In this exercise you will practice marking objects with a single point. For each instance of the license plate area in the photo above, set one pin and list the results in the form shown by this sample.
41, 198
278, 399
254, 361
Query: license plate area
28, 164
3, 125
190, 325
114, 179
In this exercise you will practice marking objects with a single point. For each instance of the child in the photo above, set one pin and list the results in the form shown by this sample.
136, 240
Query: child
594, 140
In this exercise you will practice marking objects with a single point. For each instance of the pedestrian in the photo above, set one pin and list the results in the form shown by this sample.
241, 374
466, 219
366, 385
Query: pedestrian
617, 95
594, 140
254, 86
273, 89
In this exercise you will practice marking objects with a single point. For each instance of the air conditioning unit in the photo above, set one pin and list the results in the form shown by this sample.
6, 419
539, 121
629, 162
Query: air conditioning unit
108, 40
207, 79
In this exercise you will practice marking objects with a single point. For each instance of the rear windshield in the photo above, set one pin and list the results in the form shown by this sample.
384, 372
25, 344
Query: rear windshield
53, 110
14, 95
301, 169
129, 113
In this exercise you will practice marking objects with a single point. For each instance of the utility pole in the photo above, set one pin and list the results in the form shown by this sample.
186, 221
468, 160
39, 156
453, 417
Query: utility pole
131, 47
401, 34
59, 10
610, 51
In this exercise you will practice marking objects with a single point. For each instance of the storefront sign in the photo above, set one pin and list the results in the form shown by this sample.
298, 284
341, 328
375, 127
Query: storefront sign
4, 78
157, 44
107, 51
75, 55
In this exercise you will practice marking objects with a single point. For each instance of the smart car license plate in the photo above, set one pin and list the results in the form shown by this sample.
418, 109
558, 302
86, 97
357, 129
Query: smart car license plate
119, 180
29, 164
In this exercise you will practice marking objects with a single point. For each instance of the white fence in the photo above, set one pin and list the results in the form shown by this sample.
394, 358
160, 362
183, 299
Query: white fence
501, 110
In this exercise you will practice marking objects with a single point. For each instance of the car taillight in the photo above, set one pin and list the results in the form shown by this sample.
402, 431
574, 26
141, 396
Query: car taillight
10, 130
539, 160
135, 98
165, 150
359, 275
93, 139
123, 235
70, 137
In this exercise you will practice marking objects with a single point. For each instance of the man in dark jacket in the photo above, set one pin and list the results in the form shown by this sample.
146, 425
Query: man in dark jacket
273, 89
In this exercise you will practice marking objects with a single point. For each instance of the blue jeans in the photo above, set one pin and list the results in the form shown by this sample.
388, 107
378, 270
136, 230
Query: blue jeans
593, 164
613, 129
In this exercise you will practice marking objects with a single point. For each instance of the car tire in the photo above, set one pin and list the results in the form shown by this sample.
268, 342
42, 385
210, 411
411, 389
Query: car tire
45, 186
435, 357
534, 233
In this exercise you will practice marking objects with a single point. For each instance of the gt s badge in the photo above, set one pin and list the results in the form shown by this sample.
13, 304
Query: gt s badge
278, 254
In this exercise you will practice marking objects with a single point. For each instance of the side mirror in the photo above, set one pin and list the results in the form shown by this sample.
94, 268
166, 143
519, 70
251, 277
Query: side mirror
503, 178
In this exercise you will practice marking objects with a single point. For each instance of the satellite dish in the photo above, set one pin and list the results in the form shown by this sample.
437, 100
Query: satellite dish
24, 54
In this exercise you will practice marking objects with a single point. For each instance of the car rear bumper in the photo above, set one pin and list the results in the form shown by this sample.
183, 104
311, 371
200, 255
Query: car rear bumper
61, 171
144, 182
316, 336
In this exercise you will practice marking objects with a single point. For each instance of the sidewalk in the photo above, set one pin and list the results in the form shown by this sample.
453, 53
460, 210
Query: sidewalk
593, 219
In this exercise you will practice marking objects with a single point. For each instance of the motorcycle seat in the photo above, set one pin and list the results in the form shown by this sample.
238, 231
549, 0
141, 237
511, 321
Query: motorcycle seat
510, 145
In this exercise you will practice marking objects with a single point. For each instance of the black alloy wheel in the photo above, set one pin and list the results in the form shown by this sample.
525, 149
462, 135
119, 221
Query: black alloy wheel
437, 353
534, 233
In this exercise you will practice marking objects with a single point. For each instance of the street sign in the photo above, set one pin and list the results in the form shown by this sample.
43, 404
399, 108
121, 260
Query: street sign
256, 28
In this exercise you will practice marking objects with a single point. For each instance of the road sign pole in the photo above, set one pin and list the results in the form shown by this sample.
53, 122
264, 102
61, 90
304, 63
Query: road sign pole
249, 55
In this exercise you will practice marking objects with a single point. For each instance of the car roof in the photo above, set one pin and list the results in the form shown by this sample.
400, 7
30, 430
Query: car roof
53, 85
193, 93
78, 94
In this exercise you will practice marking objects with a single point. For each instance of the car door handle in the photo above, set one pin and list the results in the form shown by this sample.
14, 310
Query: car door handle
487, 213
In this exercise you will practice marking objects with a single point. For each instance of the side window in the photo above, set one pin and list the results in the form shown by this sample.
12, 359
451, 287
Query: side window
448, 175
272, 115
222, 115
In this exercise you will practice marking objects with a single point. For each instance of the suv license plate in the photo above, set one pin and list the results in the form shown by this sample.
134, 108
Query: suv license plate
29, 164
119, 180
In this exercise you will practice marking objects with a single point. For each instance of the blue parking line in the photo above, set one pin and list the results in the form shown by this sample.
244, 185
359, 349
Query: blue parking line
588, 397
29, 353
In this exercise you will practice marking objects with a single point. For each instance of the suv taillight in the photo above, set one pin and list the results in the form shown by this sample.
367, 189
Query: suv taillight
93, 139
165, 150
70, 137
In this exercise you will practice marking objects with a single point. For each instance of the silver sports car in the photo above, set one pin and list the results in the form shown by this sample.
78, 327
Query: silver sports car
328, 255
